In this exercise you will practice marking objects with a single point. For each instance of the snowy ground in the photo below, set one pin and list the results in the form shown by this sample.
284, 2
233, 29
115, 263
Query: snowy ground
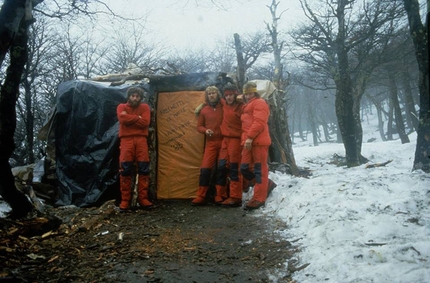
357, 224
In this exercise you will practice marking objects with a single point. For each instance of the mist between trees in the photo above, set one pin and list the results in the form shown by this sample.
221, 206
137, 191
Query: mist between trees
345, 57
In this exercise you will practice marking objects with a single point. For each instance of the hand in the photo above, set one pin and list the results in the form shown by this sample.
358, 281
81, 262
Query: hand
124, 112
209, 132
248, 144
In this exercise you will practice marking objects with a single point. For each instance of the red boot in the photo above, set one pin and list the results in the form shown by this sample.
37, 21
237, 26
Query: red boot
200, 196
142, 191
125, 188
253, 204
221, 194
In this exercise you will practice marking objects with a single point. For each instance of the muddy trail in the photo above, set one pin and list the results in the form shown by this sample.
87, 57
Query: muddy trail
175, 242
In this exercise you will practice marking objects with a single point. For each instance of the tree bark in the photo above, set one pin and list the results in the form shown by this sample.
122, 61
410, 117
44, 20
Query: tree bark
279, 120
240, 72
411, 113
313, 125
419, 34
16, 40
390, 127
400, 127
344, 102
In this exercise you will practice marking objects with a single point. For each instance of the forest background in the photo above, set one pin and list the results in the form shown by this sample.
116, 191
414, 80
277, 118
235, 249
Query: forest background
339, 58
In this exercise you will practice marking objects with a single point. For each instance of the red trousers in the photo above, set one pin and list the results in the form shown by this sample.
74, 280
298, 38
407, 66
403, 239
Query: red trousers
210, 156
254, 166
134, 150
228, 163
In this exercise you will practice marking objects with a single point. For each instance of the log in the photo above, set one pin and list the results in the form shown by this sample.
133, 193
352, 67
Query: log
378, 164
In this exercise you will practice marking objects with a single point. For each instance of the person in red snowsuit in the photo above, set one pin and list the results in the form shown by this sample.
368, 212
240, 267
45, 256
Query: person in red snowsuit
255, 141
134, 117
209, 123
230, 153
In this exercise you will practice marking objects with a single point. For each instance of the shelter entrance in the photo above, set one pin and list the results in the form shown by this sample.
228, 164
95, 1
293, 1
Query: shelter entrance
180, 146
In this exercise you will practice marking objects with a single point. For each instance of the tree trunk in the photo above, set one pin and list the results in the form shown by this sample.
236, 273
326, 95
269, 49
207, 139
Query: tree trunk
419, 34
240, 72
400, 127
390, 127
17, 39
411, 113
29, 122
278, 121
344, 102
380, 121
312, 122
282, 148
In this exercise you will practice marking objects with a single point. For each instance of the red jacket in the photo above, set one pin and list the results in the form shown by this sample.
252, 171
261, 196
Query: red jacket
254, 122
130, 124
210, 118
231, 124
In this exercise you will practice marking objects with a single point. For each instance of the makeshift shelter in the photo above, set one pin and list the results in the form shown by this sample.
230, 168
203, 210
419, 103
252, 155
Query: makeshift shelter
84, 129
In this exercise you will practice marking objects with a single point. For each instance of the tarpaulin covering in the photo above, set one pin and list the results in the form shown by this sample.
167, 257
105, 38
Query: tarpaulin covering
86, 138
180, 146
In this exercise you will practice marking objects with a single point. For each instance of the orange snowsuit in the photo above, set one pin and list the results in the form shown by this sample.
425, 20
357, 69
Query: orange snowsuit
133, 133
254, 162
210, 118
230, 153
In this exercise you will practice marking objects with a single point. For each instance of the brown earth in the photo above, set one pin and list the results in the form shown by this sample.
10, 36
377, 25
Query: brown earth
175, 242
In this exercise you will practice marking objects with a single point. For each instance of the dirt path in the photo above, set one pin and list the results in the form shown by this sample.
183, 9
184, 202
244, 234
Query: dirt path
175, 242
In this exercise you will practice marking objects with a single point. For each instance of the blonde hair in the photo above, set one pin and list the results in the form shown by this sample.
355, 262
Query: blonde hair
210, 89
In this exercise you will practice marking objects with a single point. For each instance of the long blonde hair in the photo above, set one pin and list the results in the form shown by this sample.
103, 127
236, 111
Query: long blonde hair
209, 89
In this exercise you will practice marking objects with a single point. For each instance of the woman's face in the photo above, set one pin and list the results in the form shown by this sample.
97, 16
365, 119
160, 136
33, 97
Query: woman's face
249, 96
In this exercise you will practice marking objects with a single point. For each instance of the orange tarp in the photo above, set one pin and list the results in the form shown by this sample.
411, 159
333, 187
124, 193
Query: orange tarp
180, 146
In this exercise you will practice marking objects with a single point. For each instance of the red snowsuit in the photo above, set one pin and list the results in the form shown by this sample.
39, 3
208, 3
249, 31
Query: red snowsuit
230, 153
133, 133
210, 118
254, 125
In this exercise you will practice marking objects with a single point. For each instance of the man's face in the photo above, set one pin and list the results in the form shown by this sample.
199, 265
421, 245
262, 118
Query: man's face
229, 98
134, 100
213, 96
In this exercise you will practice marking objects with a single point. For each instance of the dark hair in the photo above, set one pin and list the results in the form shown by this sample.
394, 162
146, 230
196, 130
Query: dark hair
133, 90
231, 87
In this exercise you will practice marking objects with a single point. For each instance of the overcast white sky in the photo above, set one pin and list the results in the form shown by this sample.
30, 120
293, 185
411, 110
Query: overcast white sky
183, 23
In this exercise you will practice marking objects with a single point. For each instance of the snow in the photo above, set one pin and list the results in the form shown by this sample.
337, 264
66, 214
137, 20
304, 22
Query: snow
354, 224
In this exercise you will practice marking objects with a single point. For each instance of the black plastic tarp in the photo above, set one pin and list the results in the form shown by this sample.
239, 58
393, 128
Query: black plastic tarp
86, 133
86, 138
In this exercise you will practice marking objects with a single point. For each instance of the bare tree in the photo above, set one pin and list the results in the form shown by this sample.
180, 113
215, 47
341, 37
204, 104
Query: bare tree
419, 33
187, 61
248, 50
221, 57
29, 107
15, 19
130, 45
343, 46
282, 146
